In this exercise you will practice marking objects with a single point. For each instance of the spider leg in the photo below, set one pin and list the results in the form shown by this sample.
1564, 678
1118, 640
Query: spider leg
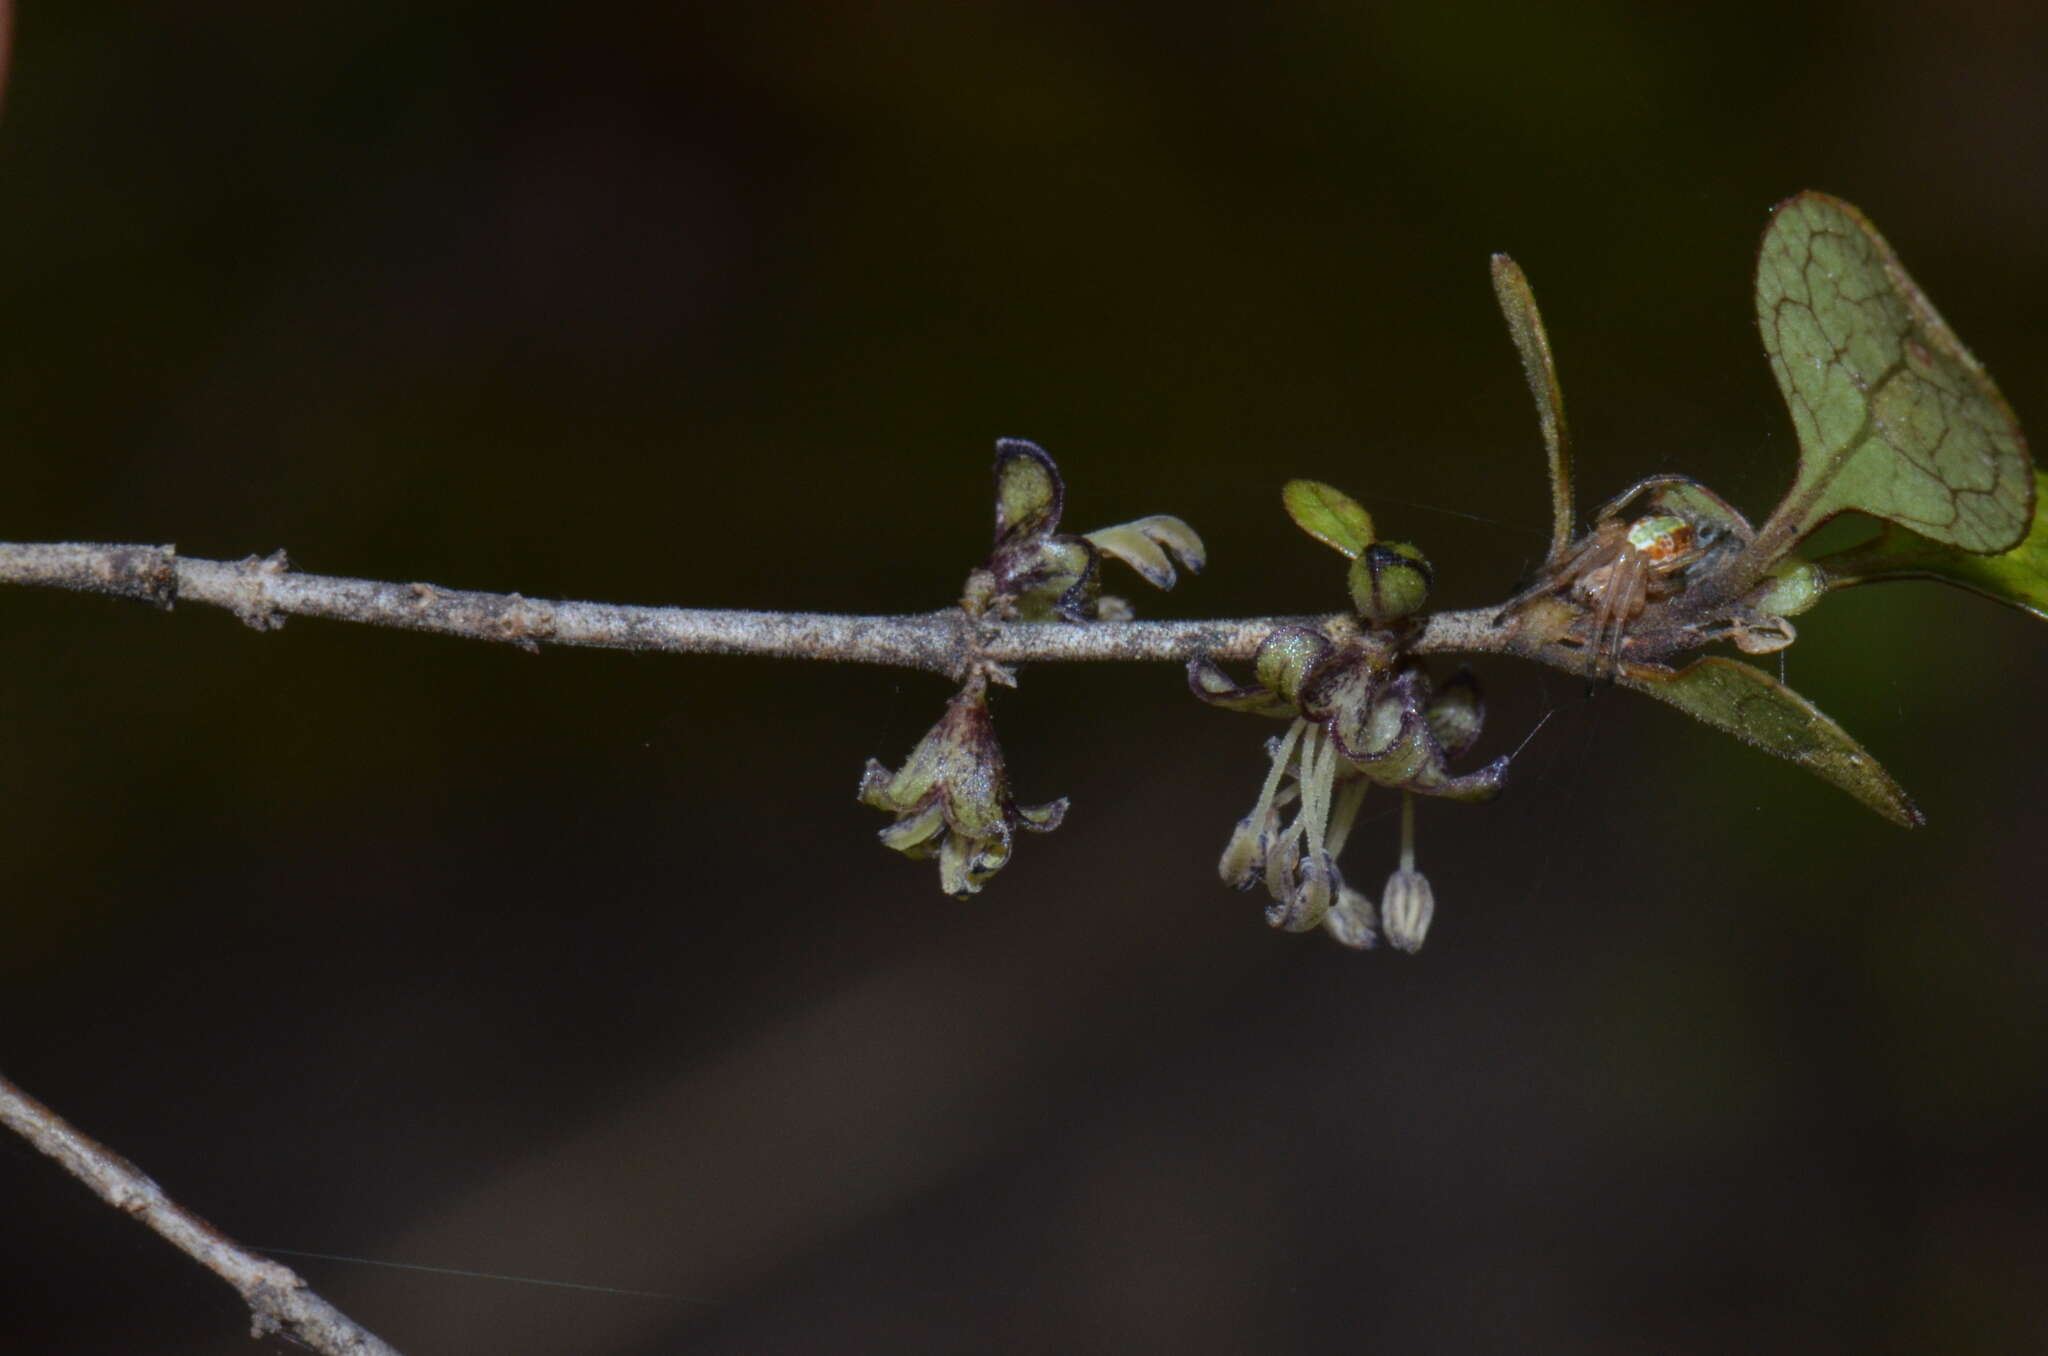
1620, 602
1658, 483
1604, 638
1561, 576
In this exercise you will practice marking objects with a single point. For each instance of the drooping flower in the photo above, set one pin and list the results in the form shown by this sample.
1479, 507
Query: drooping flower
952, 797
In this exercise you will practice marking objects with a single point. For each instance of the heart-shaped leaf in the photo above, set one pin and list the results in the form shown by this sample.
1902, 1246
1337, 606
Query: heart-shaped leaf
2018, 578
1895, 418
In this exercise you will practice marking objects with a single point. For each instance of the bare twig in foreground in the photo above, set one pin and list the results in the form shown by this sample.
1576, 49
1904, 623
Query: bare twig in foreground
279, 1302
263, 591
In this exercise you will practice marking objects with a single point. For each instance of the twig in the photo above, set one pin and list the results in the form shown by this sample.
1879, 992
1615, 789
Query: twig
279, 1302
263, 591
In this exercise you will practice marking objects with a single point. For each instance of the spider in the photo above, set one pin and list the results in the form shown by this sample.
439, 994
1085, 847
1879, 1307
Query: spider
1625, 563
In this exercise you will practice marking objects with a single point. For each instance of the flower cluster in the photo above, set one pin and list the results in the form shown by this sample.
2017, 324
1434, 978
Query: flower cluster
1361, 713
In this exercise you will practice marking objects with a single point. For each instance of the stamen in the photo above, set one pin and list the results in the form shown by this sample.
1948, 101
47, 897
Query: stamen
1345, 813
1285, 852
1319, 759
1284, 746
1407, 831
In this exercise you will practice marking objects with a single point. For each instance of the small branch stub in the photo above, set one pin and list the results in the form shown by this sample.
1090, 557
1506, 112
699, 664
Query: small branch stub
253, 603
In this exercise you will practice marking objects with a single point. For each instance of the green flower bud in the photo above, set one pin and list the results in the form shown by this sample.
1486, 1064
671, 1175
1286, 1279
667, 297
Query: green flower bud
1389, 581
1285, 659
1795, 586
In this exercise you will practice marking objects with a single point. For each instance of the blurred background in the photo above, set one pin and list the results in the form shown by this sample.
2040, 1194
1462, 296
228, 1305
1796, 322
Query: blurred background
588, 968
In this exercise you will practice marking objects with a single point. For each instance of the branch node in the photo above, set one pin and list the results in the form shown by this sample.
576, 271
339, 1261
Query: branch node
148, 574
523, 623
251, 601
270, 1297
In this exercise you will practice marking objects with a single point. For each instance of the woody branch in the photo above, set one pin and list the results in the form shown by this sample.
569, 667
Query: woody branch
263, 591
279, 1302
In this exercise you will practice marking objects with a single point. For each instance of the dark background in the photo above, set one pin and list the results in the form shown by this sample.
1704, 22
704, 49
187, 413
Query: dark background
587, 967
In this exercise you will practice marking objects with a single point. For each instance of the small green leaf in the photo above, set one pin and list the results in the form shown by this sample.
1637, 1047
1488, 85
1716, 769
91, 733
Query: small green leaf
1756, 708
1525, 326
1329, 515
1895, 418
2018, 578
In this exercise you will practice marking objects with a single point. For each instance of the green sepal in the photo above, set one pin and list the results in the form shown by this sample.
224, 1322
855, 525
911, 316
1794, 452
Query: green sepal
1144, 546
1456, 714
1329, 515
916, 835
1207, 680
1378, 722
1029, 494
1346, 699
1756, 708
1048, 578
1287, 658
1042, 818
